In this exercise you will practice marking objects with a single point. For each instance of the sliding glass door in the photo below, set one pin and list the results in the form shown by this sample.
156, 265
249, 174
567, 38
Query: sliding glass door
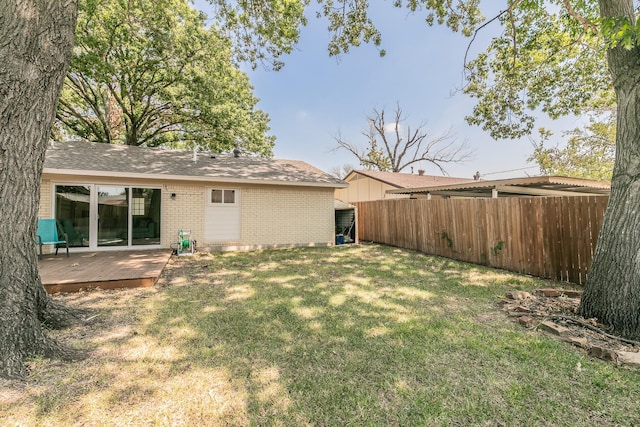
98, 216
113, 216
145, 214
72, 210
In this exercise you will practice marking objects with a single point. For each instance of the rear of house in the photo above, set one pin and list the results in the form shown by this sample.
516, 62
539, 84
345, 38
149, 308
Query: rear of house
109, 197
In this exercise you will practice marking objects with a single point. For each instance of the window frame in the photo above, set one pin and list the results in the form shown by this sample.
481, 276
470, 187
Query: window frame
210, 201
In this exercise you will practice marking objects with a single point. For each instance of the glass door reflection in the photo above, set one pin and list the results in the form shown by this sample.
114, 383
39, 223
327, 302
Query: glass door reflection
72, 213
113, 216
145, 216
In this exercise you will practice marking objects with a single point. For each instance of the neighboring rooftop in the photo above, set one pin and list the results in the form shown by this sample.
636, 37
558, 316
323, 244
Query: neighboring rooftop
530, 186
110, 160
406, 180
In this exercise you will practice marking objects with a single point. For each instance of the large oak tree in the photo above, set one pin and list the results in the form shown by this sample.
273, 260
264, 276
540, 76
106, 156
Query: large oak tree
152, 73
36, 42
612, 292
36, 46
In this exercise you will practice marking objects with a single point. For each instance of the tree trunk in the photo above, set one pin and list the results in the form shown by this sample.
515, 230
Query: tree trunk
612, 291
36, 42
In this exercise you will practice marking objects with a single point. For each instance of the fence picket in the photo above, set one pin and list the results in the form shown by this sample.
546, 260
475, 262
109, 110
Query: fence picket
552, 237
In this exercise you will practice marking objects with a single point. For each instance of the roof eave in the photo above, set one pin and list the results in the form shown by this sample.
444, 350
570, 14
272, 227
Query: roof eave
374, 178
109, 174
399, 187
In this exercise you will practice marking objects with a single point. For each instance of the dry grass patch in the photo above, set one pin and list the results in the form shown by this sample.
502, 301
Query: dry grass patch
358, 335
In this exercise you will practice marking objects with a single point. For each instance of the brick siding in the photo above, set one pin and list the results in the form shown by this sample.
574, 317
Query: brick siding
271, 215
287, 215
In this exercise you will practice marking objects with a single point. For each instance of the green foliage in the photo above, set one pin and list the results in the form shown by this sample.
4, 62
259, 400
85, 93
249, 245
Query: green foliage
445, 236
547, 59
151, 73
265, 29
350, 24
620, 31
589, 153
549, 56
262, 30
375, 158
498, 247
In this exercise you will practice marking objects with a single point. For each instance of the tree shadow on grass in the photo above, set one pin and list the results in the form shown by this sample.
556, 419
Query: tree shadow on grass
367, 335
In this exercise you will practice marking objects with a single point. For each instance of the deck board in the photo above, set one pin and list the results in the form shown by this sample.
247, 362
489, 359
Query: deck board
83, 270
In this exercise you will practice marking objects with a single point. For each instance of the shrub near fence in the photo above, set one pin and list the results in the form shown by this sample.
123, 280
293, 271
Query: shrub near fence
550, 237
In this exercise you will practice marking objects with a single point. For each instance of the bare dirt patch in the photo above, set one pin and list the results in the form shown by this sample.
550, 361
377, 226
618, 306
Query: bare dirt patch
554, 311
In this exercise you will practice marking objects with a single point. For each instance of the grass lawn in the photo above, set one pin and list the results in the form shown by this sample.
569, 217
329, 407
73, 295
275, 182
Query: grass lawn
351, 335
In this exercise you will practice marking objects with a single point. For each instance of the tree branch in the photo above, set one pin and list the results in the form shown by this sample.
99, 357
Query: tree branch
588, 25
477, 30
416, 148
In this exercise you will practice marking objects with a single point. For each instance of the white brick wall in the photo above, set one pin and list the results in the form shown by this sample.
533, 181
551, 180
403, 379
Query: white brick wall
274, 215
45, 200
184, 212
271, 215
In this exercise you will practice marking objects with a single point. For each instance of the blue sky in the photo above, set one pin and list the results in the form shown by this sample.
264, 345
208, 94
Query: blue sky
315, 97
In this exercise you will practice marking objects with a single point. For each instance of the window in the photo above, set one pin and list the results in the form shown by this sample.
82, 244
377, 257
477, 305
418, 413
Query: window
223, 197
229, 196
138, 206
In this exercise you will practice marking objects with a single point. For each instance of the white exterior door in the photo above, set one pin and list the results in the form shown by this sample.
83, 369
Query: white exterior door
222, 215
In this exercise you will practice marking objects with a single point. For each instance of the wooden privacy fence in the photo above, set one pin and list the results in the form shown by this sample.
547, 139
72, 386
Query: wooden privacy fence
550, 237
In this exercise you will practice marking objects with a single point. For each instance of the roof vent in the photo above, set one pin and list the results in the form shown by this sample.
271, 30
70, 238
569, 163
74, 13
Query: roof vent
236, 152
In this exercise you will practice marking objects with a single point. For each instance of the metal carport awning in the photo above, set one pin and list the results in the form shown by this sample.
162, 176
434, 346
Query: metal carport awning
514, 187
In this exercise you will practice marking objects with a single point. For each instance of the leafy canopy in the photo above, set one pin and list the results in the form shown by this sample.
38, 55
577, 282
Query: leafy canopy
589, 152
264, 30
548, 56
151, 73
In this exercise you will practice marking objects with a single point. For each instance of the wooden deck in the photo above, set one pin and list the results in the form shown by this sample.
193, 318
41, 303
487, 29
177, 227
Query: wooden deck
106, 270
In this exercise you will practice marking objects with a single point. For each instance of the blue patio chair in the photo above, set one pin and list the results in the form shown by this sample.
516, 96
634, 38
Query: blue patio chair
47, 234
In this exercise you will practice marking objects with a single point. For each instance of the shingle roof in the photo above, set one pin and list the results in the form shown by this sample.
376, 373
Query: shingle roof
94, 159
405, 180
